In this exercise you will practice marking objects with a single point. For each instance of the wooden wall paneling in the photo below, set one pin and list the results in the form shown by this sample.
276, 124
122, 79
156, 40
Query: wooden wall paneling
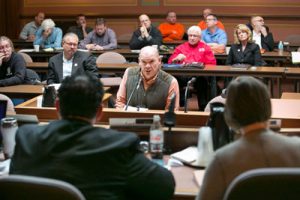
3, 17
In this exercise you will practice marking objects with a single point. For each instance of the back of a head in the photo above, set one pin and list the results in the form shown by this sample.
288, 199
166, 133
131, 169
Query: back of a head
80, 95
248, 101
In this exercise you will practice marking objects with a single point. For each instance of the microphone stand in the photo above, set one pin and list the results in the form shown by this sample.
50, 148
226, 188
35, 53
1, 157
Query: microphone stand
169, 121
186, 93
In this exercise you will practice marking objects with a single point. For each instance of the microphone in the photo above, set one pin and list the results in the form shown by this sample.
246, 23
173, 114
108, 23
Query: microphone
131, 94
170, 117
187, 92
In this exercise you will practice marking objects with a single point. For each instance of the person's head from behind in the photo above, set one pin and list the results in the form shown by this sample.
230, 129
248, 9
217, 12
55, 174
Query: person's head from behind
194, 34
39, 18
145, 21
6, 47
70, 45
80, 97
100, 26
150, 62
171, 17
241, 34
248, 102
80, 20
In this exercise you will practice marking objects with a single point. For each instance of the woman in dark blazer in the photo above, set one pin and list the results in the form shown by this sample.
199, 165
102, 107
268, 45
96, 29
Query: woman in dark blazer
244, 51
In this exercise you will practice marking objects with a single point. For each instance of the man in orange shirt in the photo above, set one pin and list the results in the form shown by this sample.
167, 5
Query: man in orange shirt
202, 24
171, 30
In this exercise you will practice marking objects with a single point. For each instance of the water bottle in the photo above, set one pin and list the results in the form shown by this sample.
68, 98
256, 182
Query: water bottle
156, 138
280, 48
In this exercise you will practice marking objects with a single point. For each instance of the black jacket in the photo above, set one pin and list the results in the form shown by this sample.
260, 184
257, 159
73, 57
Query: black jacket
251, 55
137, 42
267, 42
13, 72
101, 163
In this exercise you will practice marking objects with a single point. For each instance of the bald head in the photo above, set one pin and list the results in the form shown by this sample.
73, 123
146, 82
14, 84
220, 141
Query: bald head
150, 62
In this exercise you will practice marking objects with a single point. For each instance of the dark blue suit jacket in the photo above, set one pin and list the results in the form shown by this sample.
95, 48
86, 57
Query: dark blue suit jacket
82, 62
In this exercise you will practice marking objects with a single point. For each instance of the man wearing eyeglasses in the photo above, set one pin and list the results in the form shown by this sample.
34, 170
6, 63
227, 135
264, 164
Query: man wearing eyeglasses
70, 61
213, 36
261, 34
12, 65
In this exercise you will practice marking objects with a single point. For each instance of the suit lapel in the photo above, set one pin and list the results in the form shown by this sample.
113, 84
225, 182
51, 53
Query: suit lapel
59, 67
240, 52
75, 63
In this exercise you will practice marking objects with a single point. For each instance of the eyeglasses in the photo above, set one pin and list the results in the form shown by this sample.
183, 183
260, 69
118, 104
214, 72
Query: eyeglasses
71, 44
210, 19
5, 47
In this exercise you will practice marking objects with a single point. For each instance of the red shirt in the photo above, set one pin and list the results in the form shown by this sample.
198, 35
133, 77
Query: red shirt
194, 53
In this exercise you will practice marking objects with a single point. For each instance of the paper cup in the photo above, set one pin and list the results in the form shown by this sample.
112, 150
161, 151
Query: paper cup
36, 48
9, 127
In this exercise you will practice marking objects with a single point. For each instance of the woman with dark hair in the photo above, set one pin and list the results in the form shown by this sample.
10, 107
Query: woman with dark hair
247, 111
244, 50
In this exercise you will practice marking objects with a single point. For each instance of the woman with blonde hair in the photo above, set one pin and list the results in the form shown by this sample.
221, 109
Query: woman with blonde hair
244, 50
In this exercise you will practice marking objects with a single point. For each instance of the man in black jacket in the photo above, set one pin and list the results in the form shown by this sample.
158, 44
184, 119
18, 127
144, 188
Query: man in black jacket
146, 35
70, 61
261, 34
101, 163
12, 65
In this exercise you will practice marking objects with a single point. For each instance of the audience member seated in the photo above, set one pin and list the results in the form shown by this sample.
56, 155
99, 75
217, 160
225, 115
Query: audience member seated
247, 111
243, 51
193, 51
70, 61
261, 34
48, 36
151, 87
29, 30
102, 163
215, 37
101, 38
146, 35
202, 24
171, 30
81, 30
12, 65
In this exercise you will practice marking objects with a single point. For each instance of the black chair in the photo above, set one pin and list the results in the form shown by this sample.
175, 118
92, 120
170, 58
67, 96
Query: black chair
19, 187
265, 183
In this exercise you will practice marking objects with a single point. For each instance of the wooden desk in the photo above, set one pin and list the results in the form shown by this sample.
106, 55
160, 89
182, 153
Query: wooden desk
22, 91
290, 95
285, 109
274, 56
186, 186
25, 91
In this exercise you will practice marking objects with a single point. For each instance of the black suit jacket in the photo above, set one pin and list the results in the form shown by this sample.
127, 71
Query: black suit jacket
82, 62
102, 163
251, 55
267, 42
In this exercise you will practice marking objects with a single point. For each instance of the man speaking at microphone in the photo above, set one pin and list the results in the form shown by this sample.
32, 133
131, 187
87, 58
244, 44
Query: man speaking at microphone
147, 86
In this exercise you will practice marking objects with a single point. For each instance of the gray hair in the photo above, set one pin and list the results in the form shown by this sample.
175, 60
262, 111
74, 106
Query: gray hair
4, 38
47, 23
196, 29
70, 34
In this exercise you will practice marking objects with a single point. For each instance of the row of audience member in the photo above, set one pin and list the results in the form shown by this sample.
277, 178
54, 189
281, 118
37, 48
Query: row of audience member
194, 50
103, 38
